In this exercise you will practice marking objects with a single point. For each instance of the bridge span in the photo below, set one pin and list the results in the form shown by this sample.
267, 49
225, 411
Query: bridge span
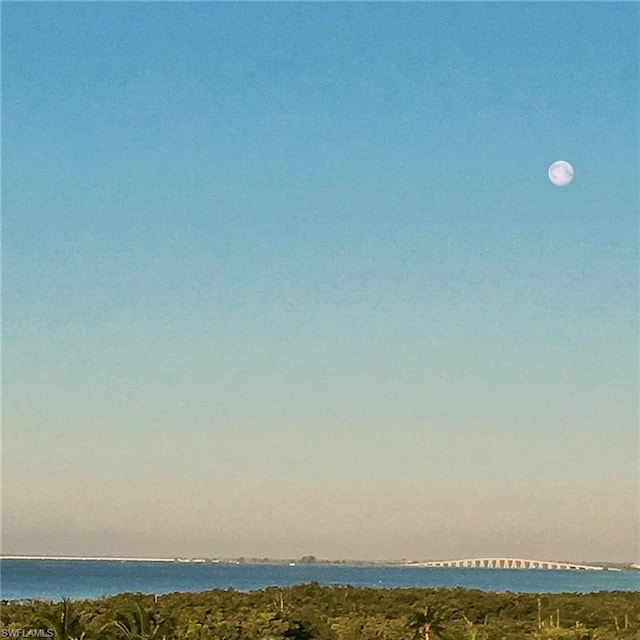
507, 563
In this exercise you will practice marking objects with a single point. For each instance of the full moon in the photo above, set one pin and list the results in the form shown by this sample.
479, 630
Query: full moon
561, 173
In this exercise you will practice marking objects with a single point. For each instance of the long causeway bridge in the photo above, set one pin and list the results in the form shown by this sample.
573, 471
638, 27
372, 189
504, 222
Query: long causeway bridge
507, 563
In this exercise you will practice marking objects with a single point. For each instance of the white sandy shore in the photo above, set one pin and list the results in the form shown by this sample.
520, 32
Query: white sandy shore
3, 557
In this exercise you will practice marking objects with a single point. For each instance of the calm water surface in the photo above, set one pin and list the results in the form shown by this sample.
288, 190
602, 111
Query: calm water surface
55, 579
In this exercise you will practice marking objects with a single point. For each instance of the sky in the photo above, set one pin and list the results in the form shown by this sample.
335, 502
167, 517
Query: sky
286, 279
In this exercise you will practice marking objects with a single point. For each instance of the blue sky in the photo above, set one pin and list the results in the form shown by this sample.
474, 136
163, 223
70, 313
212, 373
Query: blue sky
290, 278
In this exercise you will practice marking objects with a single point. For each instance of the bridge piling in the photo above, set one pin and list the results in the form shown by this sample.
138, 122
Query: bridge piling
507, 563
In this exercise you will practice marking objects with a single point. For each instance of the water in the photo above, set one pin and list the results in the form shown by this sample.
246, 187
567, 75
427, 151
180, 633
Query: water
55, 579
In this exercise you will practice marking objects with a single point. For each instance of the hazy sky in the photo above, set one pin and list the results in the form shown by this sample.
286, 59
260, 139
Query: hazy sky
286, 279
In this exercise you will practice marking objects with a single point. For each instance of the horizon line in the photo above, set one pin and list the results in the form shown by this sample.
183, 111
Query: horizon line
200, 559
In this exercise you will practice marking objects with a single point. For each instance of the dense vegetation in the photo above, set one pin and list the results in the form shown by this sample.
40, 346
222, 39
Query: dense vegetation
314, 612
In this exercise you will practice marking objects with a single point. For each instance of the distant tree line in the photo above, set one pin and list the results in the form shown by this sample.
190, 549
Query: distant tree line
315, 612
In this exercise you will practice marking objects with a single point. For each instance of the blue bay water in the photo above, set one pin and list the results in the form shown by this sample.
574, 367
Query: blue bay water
76, 579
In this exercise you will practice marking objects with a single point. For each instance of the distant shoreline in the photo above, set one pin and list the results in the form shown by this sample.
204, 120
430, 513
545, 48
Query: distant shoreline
92, 558
204, 560
615, 566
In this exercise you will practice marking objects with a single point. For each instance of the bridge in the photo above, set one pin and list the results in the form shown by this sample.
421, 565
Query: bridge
507, 563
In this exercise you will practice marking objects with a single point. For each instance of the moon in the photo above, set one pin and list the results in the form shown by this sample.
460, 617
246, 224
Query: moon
561, 173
